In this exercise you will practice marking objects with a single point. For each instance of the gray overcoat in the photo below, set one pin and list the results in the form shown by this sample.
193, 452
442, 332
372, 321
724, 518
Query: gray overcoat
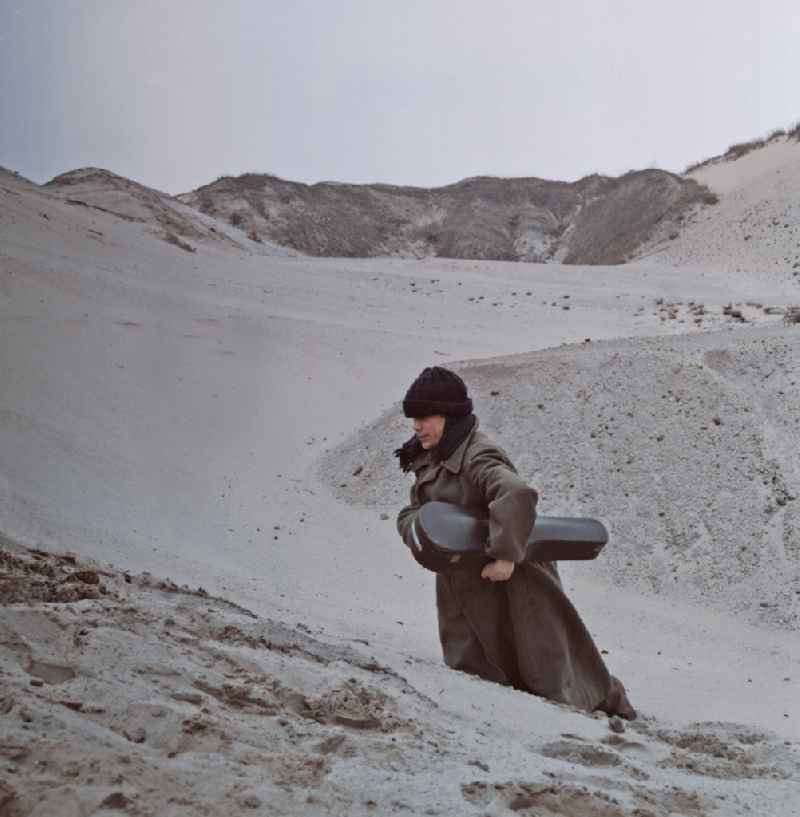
525, 631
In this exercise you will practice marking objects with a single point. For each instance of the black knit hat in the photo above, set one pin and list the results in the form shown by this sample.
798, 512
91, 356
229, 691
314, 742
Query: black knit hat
437, 391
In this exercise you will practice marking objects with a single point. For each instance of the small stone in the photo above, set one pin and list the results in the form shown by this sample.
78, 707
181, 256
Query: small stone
136, 735
14, 751
251, 801
494, 393
384, 516
188, 696
117, 800
358, 470
616, 724
85, 576
36, 682
9, 801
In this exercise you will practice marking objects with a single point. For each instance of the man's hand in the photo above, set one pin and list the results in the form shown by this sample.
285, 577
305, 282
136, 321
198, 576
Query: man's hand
498, 571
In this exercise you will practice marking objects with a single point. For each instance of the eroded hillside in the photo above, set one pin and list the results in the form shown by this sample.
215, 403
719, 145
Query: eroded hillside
596, 220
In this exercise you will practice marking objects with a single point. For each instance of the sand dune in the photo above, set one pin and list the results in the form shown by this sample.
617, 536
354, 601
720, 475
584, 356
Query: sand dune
225, 712
755, 227
685, 447
197, 418
186, 228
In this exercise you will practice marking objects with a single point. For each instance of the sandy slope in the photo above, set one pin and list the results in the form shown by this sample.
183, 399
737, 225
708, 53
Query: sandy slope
228, 713
755, 228
166, 411
685, 447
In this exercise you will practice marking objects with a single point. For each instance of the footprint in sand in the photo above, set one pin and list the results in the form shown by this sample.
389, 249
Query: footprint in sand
542, 800
565, 800
581, 753
726, 751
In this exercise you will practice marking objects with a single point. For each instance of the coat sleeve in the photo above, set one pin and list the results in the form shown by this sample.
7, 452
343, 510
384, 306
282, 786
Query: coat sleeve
406, 517
511, 502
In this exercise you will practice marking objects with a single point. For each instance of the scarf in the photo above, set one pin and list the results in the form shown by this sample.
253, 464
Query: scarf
456, 430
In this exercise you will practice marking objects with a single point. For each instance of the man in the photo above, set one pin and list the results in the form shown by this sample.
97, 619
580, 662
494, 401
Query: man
510, 622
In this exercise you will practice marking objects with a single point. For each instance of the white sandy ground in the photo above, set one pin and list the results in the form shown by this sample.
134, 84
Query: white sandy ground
755, 227
166, 412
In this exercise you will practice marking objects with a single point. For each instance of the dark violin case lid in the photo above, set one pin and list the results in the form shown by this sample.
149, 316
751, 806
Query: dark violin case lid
455, 533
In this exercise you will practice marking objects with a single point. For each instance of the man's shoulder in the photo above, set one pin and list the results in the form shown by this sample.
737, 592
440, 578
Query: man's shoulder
483, 445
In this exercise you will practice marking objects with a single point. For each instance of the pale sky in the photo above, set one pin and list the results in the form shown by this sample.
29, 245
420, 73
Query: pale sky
173, 93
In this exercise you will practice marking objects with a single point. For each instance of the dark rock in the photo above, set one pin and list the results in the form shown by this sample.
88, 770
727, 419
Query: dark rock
251, 801
117, 800
85, 576
135, 735
8, 797
616, 724
188, 696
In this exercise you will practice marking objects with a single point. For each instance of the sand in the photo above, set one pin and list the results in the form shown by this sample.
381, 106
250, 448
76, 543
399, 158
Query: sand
175, 418
754, 230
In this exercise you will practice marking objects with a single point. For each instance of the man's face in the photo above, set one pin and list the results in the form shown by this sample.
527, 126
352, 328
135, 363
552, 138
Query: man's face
429, 430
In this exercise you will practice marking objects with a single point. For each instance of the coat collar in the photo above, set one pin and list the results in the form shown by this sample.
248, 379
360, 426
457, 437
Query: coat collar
454, 462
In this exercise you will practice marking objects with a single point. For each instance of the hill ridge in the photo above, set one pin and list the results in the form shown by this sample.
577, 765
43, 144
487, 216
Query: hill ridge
594, 220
